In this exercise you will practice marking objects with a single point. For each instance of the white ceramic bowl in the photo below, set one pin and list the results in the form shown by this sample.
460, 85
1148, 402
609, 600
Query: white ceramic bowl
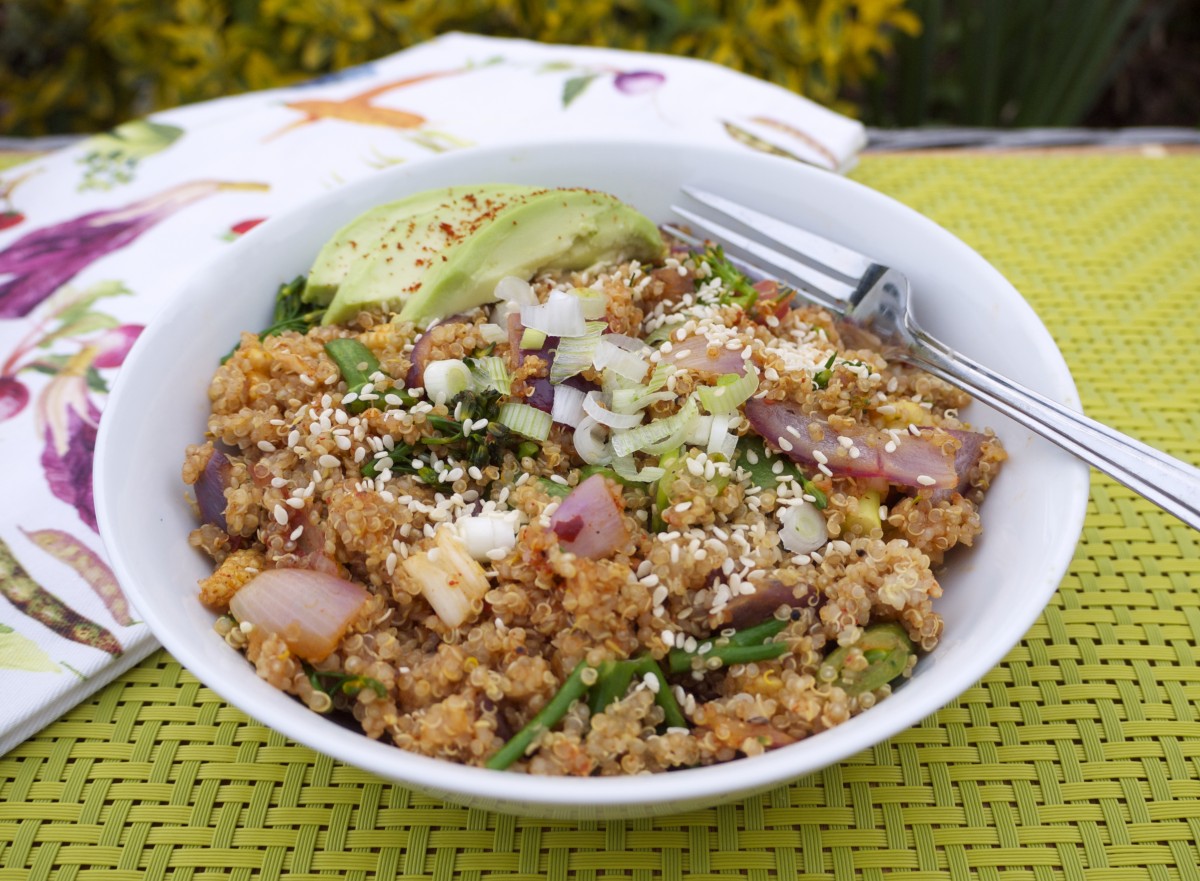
993, 592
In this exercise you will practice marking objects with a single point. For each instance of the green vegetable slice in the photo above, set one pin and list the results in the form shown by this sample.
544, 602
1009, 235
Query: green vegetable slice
887, 650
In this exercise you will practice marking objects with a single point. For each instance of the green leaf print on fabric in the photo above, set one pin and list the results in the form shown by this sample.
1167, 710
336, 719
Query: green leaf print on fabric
19, 652
112, 158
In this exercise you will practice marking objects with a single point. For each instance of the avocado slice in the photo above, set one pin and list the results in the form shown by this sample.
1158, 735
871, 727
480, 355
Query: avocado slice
449, 258
361, 237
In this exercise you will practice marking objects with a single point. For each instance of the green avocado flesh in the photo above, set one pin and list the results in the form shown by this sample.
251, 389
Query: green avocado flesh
443, 251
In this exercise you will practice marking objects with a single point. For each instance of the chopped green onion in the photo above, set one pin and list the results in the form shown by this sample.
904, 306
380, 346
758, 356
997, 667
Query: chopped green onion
729, 393
593, 303
445, 379
533, 339
821, 377
526, 420
627, 469
630, 400
492, 372
660, 435
574, 354
628, 365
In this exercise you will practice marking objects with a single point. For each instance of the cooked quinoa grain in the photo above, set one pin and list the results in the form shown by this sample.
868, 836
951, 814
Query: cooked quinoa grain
736, 590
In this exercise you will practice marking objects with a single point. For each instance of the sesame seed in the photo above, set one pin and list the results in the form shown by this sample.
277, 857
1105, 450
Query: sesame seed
777, 468
297, 532
821, 458
785, 445
846, 442
390, 563
343, 442
683, 506
925, 480
360, 454
278, 482
280, 514
559, 479
294, 502
266, 446
328, 461
854, 453
824, 469
889, 447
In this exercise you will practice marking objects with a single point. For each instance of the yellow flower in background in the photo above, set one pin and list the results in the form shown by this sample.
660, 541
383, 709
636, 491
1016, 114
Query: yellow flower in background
88, 65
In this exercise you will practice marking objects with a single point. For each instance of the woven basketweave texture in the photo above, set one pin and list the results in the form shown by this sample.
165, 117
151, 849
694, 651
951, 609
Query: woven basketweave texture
1078, 757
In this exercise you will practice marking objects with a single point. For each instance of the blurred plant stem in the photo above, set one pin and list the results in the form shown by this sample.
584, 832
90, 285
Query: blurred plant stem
1019, 63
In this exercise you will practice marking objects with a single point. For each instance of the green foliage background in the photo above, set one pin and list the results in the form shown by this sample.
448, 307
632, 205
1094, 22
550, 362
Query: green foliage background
87, 65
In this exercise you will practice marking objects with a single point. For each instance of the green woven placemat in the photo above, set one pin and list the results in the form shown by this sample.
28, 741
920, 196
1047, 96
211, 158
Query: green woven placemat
1077, 758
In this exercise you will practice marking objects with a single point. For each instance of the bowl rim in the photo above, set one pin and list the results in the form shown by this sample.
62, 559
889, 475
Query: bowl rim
496, 789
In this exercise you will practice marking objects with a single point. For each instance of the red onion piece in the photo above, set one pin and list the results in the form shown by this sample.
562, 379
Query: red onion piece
309, 610
589, 522
210, 489
415, 377
965, 459
541, 395
692, 353
914, 457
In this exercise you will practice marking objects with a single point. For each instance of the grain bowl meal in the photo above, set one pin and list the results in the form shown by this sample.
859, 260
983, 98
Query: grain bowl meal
515, 482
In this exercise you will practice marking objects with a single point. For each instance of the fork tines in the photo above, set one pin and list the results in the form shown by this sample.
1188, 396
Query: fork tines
830, 273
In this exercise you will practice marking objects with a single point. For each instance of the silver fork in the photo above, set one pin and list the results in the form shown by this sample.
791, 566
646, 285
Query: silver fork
875, 297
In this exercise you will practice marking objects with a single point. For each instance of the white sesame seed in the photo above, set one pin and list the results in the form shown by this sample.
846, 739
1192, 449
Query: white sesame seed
278, 482
497, 554
683, 506
855, 452
297, 532
294, 502
390, 563
559, 479
889, 447
785, 445
846, 442
820, 457
343, 442
925, 480
280, 514
266, 446
824, 469
328, 461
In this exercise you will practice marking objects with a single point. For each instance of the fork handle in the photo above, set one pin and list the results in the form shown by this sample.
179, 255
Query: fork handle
1171, 484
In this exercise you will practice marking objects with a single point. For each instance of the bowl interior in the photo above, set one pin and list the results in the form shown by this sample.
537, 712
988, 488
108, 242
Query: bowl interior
993, 592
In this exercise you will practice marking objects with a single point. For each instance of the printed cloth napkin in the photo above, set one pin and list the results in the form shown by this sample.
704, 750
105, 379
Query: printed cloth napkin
93, 238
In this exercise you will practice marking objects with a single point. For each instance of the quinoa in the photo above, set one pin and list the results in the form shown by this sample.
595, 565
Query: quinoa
385, 495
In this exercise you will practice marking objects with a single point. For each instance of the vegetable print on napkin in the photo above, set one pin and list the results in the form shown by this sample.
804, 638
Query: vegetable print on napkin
93, 238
